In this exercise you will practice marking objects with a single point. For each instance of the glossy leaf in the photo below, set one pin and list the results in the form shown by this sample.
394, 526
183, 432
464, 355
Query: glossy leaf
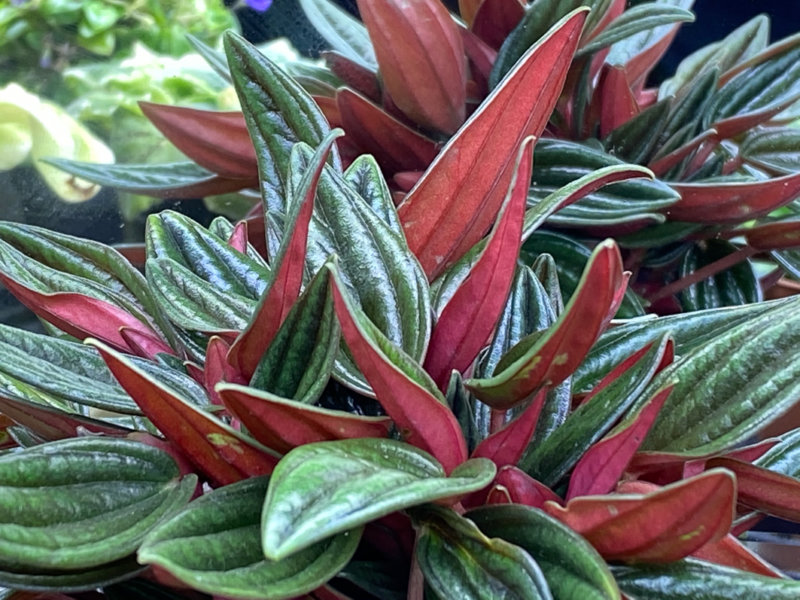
171, 180
403, 388
217, 141
549, 461
692, 579
724, 202
278, 113
214, 545
689, 331
222, 453
602, 465
365, 177
736, 285
396, 146
642, 17
458, 561
558, 163
345, 34
318, 490
426, 79
776, 150
521, 488
282, 424
247, 352
572, 568
491, 137
298, 361
730, 386
84, 502
662, 526
494, 20
375, 265
47, 584
549, 358
730, 552
470, 316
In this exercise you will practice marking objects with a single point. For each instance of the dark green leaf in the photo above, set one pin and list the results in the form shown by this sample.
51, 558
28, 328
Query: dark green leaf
321, 489
774, 149
559, 162
459, 561
688, 331
84, 502
635, 139
214, 545
731, 386
783, 458
365, 177
299, 360
573, 569
636, 19
375, 264
71, 581
278, 112
731, 287
551, 460
697, 580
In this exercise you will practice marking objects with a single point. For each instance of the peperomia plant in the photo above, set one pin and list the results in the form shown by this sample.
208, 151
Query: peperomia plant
361, 393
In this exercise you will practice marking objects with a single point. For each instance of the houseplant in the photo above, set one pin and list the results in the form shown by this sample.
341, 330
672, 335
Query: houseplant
392, 404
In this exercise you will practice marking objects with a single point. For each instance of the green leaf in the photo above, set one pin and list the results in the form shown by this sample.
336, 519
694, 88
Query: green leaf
346, 35
730, 386
65, 582
459, 561
691, 579
549, 461
775, 149
172, 180
299, 360
731, 287
635, 139
214, 545
689, 331
365, 177
573, 569
375, 264
58, 372
84, 502
559, 162
783, 458
192, 304
279, 113
321, 489
636, 19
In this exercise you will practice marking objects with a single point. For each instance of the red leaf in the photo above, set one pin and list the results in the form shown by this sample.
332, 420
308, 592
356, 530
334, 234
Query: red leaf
82, 316
524, 489
640, 65
146, 345
495, 19
283, 424
506, 446
762, 489
471, 315
423, 418
732, 202
396, 146
599, 469
781, 235
457, 199
662, 526
661, 165
217, 369
217, 141
730, 552
468, 8
481, 58
617, 102
135, 253
223, 454
406, 180
52, 423
559, 351
287, 278
356, 76
733, 126
238, 237
421, 59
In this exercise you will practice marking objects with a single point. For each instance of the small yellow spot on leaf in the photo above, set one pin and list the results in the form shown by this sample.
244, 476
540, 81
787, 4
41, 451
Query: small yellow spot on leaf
220, 440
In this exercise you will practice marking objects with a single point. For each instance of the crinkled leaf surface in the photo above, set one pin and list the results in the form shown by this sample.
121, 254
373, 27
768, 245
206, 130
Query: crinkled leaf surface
730, 287
572, 568
84, 502
65, 582
318, 490
214, 545
730, 386
459, 561
345, 34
